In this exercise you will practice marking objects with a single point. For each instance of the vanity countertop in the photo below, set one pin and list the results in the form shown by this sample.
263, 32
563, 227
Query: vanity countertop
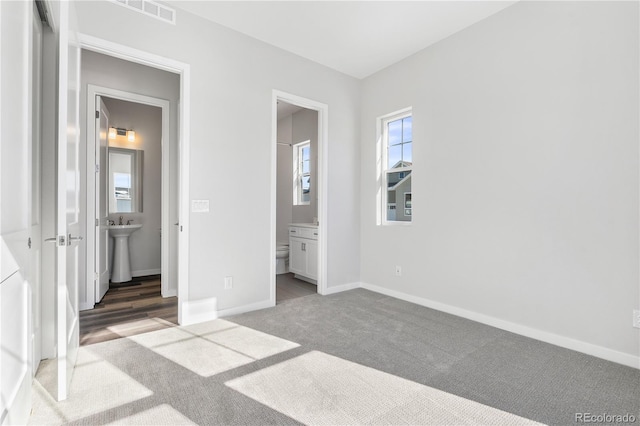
304, 225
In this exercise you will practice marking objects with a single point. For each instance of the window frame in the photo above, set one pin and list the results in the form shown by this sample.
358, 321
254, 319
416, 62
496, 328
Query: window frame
298, 174
384, 171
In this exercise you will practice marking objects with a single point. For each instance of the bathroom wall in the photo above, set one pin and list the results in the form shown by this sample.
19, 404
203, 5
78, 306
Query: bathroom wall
146, 120
284, 190
304, 127
298, 127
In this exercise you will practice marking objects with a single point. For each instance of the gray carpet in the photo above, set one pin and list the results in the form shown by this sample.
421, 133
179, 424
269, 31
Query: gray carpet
467, 360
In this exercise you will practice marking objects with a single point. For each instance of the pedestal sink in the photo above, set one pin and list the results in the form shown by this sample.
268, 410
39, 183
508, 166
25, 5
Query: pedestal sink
121, 263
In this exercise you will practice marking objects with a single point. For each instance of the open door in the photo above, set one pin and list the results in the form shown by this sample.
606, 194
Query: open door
102, 205
68, 239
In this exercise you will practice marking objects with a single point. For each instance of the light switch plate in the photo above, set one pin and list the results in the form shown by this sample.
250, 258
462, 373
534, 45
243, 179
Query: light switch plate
199, 206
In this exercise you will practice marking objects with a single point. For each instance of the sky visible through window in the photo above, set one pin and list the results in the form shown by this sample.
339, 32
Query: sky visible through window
400, 142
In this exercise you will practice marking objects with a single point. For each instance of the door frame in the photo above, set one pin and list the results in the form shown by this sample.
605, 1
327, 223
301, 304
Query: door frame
130, 54
93, 91
323, 145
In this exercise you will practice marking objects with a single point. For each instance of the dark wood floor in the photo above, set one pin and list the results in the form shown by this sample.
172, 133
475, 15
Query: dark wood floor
137, 309
288, 287
126, 311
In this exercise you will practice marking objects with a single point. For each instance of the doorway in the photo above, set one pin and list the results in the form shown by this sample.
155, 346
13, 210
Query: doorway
298, 194
131, 146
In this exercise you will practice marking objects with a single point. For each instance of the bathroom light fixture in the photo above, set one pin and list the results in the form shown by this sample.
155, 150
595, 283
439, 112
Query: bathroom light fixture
116, 131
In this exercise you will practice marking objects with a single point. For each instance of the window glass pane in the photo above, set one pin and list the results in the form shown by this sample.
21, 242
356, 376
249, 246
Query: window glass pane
399, 196
395, 132
395, 155
122, 179
407, 154
406, 129
305, 166
124, 206
305, 153
306, 186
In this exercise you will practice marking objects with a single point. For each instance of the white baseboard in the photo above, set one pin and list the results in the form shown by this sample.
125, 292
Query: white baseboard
246, 308
146, 272
195, 311
554, 339
83, 306
341, 288
172, 292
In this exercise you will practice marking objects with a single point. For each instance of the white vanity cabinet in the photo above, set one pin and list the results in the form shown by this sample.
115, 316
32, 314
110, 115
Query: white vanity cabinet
303, 251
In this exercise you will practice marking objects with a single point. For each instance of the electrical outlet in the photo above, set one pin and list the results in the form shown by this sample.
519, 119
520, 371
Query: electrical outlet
228, 283
398, 271
636, 318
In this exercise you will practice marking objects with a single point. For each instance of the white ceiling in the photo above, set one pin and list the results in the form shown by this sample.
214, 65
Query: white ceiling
357, 38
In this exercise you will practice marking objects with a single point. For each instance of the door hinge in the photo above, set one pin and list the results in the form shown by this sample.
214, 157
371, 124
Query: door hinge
97, 168
29, 242
96, 276
97, 222
97, 114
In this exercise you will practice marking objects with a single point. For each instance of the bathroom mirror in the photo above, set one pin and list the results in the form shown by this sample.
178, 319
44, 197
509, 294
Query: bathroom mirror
125, 180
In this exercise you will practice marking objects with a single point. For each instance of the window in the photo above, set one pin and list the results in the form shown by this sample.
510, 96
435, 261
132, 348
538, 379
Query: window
302, 173
397, 165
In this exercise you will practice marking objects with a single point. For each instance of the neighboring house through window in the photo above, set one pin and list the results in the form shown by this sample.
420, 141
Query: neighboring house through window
397, 165
302, 173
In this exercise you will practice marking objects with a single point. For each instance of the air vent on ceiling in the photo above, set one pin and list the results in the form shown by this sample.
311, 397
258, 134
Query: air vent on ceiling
151, 8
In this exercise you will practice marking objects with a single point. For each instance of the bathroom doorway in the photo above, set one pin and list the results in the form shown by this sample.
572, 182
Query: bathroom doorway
132, 181
298, 174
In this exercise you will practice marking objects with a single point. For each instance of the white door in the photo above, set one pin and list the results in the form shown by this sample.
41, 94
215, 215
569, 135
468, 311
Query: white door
36, 229
69, 240
102, 204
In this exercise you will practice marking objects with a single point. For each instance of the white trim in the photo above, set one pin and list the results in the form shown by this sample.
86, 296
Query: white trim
184, 122
383, 144
544, 336
322, 178
195, 311
245, 308
343, 287
146, 273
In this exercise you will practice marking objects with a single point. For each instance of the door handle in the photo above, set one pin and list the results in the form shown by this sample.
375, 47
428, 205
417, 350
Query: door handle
57, 240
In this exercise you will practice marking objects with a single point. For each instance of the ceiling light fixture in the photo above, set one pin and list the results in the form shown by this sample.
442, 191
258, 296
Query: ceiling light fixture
114, 132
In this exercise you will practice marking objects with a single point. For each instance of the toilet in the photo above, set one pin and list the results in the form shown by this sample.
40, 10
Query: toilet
282, 258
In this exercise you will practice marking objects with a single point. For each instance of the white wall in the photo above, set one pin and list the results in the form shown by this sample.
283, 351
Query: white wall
232, 79
304, 127
106, 71
146, 120
284, 189
298, 127
525, 182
